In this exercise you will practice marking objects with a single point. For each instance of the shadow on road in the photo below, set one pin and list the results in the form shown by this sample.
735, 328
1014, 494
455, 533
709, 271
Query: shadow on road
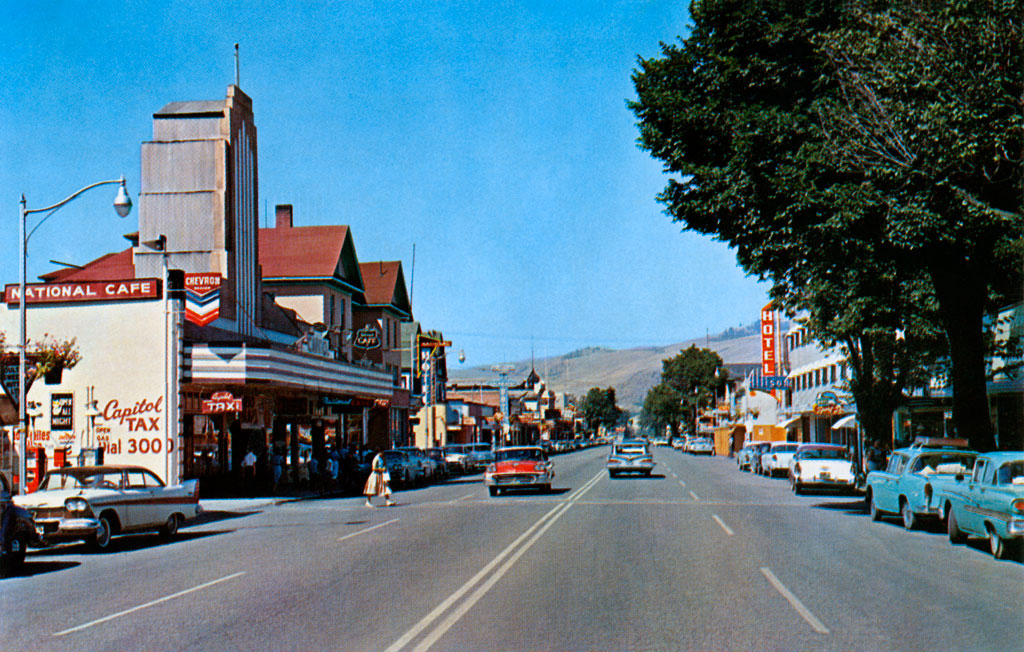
213, 516
125, 543
850, 506
32, 567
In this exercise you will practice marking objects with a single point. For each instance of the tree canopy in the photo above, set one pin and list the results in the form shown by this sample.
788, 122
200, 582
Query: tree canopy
854, 156
599, 408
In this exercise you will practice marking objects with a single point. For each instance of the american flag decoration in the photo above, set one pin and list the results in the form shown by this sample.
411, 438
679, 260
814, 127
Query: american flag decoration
202, 298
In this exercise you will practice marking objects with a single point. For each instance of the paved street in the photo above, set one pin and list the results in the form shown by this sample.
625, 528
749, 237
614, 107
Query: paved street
699, 557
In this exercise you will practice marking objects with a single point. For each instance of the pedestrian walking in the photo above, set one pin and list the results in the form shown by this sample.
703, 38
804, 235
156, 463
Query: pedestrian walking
276, 468
249, 472
379, 482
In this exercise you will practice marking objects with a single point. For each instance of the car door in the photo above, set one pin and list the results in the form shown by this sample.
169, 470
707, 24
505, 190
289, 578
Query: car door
887, 483
969, 519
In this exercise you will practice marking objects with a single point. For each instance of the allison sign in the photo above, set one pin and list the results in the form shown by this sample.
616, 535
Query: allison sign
142, 288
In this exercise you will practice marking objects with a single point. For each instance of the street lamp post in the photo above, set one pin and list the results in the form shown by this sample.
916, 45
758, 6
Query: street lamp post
123, 206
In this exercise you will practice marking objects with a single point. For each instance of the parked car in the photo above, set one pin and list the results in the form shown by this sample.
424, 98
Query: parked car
746, 455
775, 460
402, 469
519, 467
989, 502
821, 466
702, 446
441, 471
910, 484
456, 458
17, 531
480, 455
424, 466
756, 455
94, 503
630, 456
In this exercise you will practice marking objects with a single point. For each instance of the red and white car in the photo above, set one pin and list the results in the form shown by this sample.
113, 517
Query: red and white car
519, 467
93, 503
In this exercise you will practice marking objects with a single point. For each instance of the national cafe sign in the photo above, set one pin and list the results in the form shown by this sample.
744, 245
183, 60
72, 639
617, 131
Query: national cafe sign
129, 290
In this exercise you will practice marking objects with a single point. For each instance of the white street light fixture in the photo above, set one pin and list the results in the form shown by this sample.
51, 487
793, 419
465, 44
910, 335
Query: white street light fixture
123, 206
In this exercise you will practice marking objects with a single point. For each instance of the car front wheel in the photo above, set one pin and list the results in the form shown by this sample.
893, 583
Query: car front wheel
956, 535
101, 540
910, 520
493, 490
876, 514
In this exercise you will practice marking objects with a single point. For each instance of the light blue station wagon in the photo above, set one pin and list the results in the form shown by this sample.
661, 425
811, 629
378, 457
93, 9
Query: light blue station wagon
988, 503
910, 484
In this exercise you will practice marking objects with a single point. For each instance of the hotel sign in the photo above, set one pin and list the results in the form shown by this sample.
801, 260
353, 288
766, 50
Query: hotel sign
143, 288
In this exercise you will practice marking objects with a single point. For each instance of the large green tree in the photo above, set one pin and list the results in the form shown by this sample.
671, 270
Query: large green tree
599, 408
747, 114
697, 376
663, 407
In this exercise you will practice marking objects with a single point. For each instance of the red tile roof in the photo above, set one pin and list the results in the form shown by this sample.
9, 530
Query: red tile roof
109, 267
379, 281
302, 251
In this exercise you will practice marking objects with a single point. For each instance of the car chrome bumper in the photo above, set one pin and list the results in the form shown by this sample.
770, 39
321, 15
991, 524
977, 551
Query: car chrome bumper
66, 529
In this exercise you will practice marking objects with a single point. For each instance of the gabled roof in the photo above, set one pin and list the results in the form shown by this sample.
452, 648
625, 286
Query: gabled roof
109, 267
309, 252
384, 284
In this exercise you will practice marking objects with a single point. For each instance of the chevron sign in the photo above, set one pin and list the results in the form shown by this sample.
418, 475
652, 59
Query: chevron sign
202, 298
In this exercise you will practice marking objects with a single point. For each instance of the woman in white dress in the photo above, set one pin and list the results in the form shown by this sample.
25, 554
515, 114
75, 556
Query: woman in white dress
379, 482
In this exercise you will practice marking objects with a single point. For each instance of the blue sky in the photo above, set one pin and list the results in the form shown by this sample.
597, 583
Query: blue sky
493, 136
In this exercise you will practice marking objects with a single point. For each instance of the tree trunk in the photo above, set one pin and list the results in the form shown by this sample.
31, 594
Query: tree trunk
961, 291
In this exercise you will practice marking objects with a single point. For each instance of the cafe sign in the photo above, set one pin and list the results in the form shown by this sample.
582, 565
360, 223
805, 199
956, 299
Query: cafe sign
367, 337
222, 403
143, 288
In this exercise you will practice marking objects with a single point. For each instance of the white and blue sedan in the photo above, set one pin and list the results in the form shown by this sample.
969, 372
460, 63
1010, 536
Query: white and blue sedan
93, 503
989, 503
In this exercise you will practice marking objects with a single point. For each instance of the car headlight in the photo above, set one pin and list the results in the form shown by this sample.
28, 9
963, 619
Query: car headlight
76, 504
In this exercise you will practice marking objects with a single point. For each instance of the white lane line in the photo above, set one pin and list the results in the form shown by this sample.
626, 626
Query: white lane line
466, 497
374, 527
446, 624
427, 620
804, 612
682, 484
149, 604
695, 496
728, 530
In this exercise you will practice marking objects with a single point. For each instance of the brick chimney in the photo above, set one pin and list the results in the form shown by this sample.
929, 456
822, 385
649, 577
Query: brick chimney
284, 216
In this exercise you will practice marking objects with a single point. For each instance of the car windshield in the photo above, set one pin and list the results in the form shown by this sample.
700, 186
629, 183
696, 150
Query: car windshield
80, 480
454, 449
943, 463
529, 454
787, 448
823, 454
629, 450
1011, 473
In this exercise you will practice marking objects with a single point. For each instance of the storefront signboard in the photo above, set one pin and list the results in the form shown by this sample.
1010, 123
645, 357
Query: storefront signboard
202, 298
367, 337
221, 403
62, 411
142, 288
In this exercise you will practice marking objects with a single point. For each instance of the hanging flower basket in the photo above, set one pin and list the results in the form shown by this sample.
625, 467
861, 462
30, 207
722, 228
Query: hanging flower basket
54, 375
53, 356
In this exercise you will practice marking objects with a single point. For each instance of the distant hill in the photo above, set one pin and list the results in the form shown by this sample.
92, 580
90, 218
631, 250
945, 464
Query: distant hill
632, 372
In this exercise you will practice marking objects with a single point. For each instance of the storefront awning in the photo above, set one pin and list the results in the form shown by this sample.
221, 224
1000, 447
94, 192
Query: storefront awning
849, 421
788, 422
